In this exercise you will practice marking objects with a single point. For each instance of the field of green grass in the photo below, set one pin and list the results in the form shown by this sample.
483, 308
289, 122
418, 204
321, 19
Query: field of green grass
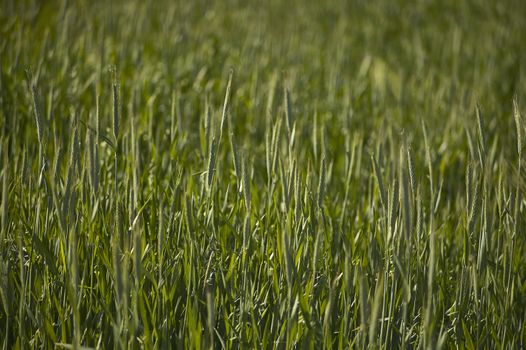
267, 174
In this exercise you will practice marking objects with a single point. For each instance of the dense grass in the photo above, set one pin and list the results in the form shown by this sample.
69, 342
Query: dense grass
275, 174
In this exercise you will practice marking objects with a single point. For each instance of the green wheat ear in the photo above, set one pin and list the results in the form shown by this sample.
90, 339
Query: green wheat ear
226, 103
115, 94
212, 162
518, 126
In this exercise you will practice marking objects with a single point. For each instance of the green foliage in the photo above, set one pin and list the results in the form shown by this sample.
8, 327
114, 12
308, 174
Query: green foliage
196, 174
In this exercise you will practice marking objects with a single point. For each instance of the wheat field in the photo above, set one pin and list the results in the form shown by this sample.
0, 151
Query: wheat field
268, 174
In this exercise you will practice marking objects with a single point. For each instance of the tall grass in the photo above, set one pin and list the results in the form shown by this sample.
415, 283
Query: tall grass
129, 221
